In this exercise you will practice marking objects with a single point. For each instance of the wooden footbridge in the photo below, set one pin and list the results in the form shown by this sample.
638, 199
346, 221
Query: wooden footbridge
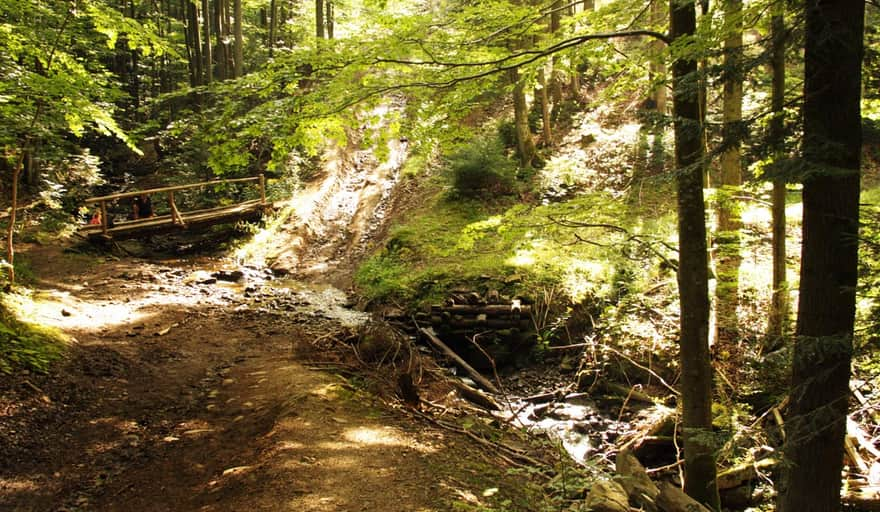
174, 219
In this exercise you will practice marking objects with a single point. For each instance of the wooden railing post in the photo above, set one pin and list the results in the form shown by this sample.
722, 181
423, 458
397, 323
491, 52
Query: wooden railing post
175, 215
262, 189
104, 221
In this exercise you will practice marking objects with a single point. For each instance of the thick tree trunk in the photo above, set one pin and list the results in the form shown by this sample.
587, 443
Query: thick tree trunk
693, 274
727, 238
832, 143
779, 307
239, 38
194, 43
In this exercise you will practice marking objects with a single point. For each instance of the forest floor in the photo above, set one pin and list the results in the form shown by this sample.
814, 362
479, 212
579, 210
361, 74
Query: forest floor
181, 392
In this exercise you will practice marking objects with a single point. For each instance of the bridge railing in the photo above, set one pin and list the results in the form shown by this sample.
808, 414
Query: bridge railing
104, 201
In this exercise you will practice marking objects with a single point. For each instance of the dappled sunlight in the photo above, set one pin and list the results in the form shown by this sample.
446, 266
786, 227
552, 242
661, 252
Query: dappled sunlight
384, 436
522, 258
61, 310
18, 485
327, 391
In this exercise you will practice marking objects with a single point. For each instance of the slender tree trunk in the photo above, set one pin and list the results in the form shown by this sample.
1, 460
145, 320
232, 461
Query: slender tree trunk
524, 142
542, 93
816, 422
23, 151
239, 38
727, 238
220, 33
319, 19
209, 53
330, 19
134, 85
779, 307
658, 67
273, 23
693, 274
228, 39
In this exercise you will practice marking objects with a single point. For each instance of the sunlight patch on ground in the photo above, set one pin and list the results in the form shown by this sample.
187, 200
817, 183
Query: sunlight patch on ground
283, 446
327, 391
62, 310
366, 436
9, 486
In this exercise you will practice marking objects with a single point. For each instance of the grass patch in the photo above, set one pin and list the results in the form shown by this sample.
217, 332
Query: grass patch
577, 246
25, 345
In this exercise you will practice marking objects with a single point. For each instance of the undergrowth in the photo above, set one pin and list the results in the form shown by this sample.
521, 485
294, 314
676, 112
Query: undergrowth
25, 345
582, 247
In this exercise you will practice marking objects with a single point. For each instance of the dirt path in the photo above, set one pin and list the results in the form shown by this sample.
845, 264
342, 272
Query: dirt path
181, 393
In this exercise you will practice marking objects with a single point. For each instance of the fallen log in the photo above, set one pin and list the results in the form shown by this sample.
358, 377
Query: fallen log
673, 499
493, 322
489, 309
866, 502
625, 392
478, 378
634, 478
742, 473
607, 496
475, 396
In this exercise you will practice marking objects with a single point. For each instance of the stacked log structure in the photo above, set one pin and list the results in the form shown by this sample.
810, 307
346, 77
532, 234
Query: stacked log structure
481, 315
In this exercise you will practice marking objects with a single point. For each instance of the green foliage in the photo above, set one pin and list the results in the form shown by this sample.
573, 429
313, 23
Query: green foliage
869, 278
481, 169
519, 249
25, 345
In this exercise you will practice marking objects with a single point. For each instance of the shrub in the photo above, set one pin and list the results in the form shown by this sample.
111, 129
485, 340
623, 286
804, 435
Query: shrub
481, 169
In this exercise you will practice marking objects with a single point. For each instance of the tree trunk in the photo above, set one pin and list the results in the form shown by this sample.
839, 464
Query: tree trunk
658, 67
832, 145
239, 38
693, 274
194, 43
134, 84
779, 307
544, 95
319, 19
220, 31
228, 42
524, 142
273, 23
10, 228
330, 19
209, 53
727, 238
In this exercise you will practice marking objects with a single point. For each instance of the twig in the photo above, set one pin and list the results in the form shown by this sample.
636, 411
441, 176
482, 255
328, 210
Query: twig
512, 452
637, 365
566, 347
666, 467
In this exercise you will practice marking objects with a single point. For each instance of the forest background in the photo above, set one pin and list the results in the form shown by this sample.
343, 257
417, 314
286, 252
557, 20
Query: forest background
750, 103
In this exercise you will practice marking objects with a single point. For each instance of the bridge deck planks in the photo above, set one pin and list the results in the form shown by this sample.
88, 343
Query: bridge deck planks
247, 210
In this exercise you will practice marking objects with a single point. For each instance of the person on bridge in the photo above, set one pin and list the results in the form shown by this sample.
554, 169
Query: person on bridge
142, 207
